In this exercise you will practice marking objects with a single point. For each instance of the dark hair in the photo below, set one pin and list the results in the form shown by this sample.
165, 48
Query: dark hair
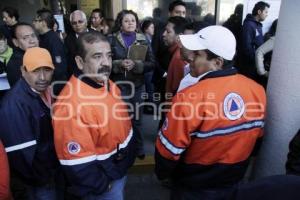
12, 12
261, 5
176, 3
196, 26
47, 16
2, 36
119, 19
211, 55
239, 9
210, 19
98, 10
90, 38
272, 30
15, 28
145, 24
179, 23
156, 13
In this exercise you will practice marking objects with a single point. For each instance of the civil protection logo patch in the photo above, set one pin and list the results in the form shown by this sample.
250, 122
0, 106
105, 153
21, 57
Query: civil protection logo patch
73, 148
234, 106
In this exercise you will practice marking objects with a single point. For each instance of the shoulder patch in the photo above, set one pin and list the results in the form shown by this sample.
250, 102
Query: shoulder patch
233, 106
73, 148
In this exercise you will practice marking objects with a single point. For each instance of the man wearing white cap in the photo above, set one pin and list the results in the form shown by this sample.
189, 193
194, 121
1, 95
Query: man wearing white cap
213, 126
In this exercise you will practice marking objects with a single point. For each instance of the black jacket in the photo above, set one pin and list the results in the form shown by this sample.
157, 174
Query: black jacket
54, 45
162, 54
14, 66
71, 50
70, 45
8, 32
27, 134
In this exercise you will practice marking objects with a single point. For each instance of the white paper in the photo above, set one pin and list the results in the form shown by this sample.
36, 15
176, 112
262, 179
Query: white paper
4, 85
60, 20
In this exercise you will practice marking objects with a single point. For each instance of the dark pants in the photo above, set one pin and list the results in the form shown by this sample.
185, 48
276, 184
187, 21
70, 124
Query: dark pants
179, 193
54, 190
135, 109
2, 93
149, 85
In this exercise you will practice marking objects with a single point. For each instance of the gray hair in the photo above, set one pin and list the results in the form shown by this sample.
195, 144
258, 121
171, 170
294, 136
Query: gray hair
78, 12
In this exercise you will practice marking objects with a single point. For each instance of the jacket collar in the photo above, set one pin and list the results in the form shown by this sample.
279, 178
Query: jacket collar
220, 73
34, 94
28, 89
79, 74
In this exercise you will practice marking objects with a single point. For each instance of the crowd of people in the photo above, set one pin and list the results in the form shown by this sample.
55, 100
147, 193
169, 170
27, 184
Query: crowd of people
71, 104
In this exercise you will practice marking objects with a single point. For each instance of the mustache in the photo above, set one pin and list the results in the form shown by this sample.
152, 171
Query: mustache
43, 82
104, 69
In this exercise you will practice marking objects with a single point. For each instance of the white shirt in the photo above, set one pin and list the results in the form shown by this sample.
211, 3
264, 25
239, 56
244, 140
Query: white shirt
188, 80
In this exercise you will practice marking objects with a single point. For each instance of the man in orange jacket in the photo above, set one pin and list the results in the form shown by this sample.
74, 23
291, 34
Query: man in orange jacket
92, 130
213, 126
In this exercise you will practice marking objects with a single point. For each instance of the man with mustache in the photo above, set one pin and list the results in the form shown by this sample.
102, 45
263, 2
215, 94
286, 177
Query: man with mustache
92, 130
27, 133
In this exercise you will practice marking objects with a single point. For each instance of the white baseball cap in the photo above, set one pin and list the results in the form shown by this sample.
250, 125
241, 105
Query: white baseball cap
216, 39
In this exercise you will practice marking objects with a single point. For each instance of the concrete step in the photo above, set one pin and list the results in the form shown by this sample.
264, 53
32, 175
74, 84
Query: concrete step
143, 166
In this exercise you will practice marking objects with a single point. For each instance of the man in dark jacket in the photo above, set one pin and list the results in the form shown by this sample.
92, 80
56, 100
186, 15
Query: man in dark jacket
49, 40
78, 22
293, 163
24, 37
26, 132
10, 18
252, 38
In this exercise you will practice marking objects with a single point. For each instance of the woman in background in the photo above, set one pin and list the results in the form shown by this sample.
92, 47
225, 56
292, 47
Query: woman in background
131, 72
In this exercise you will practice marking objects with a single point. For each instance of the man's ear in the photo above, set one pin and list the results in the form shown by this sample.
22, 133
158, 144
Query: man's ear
79, 62
219, 63
23, 70
15, 41
259, 12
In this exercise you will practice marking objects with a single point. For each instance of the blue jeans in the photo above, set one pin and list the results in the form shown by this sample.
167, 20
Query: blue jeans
47, 192
115, 193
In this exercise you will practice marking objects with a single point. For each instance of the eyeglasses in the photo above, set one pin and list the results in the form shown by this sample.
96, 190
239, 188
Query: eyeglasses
77, 22
37, 20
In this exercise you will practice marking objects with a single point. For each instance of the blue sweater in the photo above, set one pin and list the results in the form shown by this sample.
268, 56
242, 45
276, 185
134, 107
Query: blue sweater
252, 38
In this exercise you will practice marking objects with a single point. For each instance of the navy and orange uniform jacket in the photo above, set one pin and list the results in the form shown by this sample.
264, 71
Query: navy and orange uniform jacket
211, 131
27, 135
93, 135
4, 171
